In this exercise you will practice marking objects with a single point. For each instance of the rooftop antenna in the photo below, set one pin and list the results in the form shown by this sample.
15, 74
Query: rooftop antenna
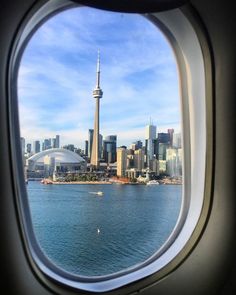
98, 70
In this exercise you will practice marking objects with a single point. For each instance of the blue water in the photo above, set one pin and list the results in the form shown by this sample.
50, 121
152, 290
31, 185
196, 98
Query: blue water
134, 222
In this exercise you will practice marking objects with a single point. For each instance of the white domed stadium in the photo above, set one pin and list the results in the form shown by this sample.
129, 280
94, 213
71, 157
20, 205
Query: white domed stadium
56, 159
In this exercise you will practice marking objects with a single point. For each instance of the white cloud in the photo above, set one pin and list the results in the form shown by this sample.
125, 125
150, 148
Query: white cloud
57, 76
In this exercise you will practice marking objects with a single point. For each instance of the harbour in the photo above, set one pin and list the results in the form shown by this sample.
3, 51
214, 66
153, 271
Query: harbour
102, 234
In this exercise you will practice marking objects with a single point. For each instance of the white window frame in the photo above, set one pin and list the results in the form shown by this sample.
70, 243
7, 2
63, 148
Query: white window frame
191, 48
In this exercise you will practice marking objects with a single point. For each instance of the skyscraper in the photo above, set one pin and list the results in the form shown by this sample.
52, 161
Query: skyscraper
150, 136
171, 132
139, 159
57, 143
97, 94
36, 146
121, 161
28, 148
53, 141
109, 149
90, 142
164, 137
46, 144
163, 142
86, 148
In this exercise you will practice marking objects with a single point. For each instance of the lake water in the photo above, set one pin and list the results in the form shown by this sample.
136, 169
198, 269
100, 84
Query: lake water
92, 235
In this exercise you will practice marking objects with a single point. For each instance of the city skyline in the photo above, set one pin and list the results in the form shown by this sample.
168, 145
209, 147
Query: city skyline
161, 135
139, 82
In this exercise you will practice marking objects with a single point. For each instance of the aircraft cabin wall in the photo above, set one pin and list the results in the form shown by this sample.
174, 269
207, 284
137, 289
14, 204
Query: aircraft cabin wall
208, 268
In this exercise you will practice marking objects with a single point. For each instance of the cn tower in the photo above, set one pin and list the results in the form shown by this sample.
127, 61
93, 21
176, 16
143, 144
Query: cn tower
97, 94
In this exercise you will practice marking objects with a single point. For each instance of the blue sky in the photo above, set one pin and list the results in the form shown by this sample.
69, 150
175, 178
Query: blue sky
58, 74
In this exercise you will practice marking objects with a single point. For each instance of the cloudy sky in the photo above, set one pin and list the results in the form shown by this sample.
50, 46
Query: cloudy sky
58, 74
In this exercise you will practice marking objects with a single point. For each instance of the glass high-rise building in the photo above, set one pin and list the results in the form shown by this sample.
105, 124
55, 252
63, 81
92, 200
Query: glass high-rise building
90, 142
36, 146
47, 144
109, 149
171, 133
164, 137
150, 136
86, 148
57, 143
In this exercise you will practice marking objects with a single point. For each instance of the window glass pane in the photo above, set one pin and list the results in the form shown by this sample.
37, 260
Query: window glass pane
101, 139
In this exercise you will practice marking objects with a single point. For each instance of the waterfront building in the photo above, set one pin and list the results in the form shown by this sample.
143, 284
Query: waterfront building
132, 173
121, 161
139, 159
36, 146
97, 94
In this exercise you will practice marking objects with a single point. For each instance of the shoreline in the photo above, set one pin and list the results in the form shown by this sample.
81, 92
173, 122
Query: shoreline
47, 182
79, 182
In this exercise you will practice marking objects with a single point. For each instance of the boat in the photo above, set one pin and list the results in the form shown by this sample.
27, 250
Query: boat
99, 193
152, 182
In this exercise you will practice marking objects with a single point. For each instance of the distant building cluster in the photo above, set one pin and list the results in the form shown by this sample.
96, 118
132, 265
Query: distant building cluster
48, 143
160, 154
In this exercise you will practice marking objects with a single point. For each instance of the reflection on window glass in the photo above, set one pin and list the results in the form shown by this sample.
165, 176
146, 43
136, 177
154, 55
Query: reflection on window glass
101, 139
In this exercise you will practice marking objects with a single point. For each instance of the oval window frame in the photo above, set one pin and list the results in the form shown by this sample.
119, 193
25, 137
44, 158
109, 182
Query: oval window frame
189, 42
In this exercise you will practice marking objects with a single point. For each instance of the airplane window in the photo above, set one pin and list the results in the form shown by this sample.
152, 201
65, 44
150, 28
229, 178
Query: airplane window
101, 139
114, 143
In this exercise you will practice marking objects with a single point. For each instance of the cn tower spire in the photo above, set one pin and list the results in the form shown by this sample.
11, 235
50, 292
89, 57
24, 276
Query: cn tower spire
98, 70
97, 94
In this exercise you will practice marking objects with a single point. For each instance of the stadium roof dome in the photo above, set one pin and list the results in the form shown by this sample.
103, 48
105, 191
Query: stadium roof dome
60, 155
